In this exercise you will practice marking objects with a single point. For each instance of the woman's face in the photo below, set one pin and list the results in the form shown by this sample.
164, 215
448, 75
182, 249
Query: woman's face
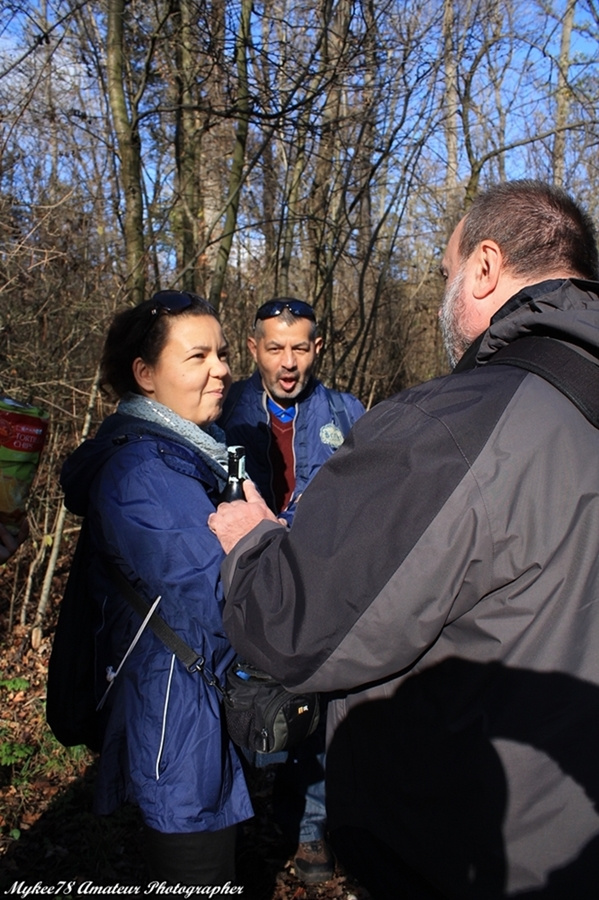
192, 375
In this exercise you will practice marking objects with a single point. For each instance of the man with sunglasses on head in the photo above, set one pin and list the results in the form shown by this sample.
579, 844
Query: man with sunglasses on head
290, 424
288, 421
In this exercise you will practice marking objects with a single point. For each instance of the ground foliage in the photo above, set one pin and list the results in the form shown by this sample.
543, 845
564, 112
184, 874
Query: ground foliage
48, 832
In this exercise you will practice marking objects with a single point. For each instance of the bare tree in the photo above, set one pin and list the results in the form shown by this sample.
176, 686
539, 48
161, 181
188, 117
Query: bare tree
236, 175
563, 96
124, 108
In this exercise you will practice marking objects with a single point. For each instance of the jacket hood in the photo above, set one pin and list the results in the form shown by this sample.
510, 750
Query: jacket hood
567, 309
83, 465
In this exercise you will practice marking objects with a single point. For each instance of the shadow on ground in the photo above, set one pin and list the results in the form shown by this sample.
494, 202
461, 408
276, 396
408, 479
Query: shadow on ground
69, 843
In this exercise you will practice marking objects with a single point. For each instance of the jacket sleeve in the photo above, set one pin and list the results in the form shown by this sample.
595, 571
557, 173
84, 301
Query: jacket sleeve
367, 576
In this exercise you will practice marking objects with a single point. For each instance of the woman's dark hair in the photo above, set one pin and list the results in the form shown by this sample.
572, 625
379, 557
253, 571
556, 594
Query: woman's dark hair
143, 331
538, 226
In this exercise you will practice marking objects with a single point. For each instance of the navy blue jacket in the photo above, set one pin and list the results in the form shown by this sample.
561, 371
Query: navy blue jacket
322, 420
165, 747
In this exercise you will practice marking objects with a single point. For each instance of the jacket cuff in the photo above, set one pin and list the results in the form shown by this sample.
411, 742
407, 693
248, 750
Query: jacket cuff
251, 540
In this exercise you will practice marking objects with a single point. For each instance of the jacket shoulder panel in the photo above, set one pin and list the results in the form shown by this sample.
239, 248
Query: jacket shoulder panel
362, 515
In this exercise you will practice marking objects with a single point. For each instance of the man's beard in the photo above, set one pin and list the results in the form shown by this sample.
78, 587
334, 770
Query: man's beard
453, 311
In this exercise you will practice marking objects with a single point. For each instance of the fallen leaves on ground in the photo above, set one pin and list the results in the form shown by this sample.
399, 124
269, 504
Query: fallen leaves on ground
47, 830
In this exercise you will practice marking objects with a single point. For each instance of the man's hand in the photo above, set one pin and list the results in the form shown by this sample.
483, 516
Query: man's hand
232, 521
10, 543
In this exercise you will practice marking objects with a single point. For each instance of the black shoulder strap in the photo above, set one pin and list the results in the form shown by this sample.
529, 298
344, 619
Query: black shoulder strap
338, 411
192, 661
574, 375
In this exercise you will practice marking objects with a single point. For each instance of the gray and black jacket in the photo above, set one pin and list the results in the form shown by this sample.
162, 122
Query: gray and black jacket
442, 579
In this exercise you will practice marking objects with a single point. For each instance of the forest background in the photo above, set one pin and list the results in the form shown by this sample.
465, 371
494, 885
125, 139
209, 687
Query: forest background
245, 149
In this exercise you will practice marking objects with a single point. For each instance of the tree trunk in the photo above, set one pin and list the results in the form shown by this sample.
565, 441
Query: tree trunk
562, 97
236, 173
187, 138
451, 120
129, 149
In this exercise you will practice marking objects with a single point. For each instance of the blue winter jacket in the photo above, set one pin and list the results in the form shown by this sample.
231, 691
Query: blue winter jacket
147, 494
322, 420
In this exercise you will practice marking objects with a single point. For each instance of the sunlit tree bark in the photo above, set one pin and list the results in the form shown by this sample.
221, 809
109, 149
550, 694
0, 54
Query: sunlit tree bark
241, 112
125, 116
563, 96
451, 113
187, 146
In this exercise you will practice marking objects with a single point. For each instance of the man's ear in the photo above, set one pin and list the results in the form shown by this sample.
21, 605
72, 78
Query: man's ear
317, 345
488, 260
251, 343
144, 375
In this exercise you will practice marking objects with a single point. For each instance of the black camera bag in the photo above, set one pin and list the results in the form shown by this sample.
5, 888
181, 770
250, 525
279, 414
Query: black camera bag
262, 715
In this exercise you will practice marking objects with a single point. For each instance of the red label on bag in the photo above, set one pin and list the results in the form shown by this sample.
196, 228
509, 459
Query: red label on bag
22, 435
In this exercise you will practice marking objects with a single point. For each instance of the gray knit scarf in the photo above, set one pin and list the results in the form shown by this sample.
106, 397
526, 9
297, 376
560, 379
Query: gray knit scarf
209, 442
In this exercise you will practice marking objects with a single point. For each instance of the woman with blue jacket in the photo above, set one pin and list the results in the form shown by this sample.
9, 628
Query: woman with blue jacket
146, 485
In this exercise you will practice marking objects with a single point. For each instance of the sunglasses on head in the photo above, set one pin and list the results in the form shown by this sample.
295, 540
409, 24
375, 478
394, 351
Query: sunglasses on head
273, 308
173, 302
